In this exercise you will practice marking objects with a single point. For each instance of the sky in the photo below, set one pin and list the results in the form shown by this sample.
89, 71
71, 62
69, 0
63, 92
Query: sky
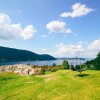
64, 28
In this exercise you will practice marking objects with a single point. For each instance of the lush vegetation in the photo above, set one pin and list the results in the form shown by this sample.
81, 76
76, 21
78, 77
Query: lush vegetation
10, 54
65, 64
95, 63
56, 82
60, 85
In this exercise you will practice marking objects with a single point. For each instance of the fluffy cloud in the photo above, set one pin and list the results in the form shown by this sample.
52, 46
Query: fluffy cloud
78, 10
80, 49
95, 45
58, 27
9, 30
63, 49
28, 32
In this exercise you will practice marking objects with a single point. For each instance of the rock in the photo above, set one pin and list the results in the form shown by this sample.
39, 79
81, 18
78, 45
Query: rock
2, 69
18, 69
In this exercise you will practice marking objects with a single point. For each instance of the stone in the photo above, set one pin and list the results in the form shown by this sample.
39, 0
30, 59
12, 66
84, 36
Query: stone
18, 69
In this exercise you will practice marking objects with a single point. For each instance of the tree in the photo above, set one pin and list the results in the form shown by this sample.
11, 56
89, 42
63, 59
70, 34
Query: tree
98, 55
72, 68
65, 64
80, 68
95, 63
54, 64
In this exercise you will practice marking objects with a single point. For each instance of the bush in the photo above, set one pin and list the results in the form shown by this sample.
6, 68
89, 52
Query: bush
59, 67
73, 68
77, 67
42, 71
48, 68
53, 69
65, 64
80, 68
34, 66
54, 64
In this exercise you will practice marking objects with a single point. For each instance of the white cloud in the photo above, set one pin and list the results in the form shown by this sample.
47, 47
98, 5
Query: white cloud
66, 49
95, 45
58, 27
9, 30
28, 32
80, 49
78, 10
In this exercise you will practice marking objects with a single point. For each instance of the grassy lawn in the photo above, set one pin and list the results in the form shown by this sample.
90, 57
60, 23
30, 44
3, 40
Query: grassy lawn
60, 85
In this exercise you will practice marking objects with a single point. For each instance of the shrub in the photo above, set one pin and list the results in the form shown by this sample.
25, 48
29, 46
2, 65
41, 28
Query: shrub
48, 68
53, 69
42, 71
77, 67
65, 64
73, 68
39, 71
34, 66
80, 68
54, 64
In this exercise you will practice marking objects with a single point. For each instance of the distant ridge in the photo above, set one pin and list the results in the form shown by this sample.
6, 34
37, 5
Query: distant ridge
72, 58
12, 54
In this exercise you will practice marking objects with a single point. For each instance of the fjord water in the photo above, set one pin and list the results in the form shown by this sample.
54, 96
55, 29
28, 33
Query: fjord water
47, 62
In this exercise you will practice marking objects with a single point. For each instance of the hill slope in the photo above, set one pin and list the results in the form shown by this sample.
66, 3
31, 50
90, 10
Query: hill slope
11, 54
60, 85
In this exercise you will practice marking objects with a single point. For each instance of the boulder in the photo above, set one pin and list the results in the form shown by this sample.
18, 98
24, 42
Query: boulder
18, 69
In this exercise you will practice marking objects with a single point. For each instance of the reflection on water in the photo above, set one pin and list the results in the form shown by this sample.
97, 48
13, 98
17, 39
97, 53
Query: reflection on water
40, 63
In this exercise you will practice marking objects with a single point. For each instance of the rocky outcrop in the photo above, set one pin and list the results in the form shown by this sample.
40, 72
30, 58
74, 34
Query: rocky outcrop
19, 69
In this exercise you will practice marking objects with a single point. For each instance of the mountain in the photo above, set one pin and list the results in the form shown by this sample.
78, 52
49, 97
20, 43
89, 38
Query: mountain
11, 54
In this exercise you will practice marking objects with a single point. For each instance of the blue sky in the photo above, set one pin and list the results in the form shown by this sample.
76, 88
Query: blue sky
64, 28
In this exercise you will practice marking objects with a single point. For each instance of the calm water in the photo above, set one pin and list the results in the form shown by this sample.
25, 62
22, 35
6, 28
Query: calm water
40, 63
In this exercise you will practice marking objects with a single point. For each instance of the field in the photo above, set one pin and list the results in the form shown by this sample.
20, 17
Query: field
59, 85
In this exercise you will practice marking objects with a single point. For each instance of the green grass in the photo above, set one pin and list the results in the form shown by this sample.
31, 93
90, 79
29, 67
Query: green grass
60, 85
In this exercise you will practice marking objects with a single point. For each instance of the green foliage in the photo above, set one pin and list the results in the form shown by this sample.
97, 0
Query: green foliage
98, 55
80, 68
54, 64
53, 69
90, 64
65, 64
77, 67
72, 68
42, 71
84, 66
95, 63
